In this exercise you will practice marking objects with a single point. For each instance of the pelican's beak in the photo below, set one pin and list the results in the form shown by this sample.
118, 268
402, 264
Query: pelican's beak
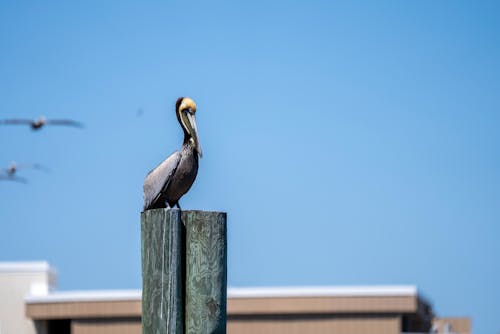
193, 131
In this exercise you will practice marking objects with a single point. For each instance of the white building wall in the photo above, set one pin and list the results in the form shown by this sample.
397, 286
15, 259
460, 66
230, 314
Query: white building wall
18, 279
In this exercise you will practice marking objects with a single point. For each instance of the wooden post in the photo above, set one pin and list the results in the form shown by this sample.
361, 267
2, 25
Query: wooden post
184, 272
162, 271
206, 272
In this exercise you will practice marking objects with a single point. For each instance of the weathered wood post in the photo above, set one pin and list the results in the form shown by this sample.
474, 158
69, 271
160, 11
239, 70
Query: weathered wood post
206, 272
162, 271
184, 271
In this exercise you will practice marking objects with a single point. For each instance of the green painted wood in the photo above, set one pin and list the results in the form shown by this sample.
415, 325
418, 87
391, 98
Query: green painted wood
162, 271
206, 272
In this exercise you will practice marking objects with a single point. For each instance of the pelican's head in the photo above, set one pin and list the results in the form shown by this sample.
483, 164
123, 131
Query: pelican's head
38, 123
185, 108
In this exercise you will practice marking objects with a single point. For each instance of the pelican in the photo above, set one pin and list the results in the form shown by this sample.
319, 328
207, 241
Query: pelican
41, 121
14, 167
171, 179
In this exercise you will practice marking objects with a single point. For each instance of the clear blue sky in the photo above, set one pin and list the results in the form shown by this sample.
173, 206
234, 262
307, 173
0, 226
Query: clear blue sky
350, 143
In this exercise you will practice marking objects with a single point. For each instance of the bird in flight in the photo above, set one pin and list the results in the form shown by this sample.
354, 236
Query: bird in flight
41, 122
171, 179
14, 167
10, 173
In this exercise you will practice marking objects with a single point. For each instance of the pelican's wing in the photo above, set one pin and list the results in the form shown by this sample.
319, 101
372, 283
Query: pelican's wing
34, 166
158, 179
68, 122
12, 178
16, 121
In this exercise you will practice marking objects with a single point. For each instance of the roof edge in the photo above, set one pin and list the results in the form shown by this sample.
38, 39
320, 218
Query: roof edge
322, 291
26, 267
85, 296
235, 292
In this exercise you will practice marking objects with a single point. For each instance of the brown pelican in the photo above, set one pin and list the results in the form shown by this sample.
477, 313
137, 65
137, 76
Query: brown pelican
9, 173
14, 167
171, 179
41, 121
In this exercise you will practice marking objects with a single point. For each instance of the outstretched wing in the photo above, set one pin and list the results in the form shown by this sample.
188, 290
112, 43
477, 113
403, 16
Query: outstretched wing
68, 122
16, 121
13, 178
34, 166
157, 180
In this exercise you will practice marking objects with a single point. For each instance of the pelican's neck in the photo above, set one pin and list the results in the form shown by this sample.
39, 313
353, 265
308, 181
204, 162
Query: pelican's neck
188, 143
187, 138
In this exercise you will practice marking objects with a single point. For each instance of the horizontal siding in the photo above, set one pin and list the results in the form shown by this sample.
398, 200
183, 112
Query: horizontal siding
235, 306
108, 326
40, 311
378, 325
322, 305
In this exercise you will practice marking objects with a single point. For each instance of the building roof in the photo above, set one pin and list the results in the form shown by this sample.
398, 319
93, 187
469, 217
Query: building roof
235, 292
85, 296
254, 300
28, 267
322, 291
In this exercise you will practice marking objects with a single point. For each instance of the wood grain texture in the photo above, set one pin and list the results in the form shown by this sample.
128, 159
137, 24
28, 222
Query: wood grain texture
162, 271
206, 272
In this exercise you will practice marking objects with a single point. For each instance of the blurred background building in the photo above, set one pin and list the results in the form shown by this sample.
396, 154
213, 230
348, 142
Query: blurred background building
30, 304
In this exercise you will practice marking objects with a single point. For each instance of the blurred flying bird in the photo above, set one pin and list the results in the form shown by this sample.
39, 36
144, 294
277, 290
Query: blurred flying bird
10, 172
171, 179
14, 167
40, 122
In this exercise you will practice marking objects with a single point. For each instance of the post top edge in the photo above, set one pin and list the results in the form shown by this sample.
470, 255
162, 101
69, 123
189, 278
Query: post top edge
204, 211
184, 211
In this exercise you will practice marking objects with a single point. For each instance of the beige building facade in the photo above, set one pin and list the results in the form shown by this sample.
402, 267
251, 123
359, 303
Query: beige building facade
30, 305
345, 310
